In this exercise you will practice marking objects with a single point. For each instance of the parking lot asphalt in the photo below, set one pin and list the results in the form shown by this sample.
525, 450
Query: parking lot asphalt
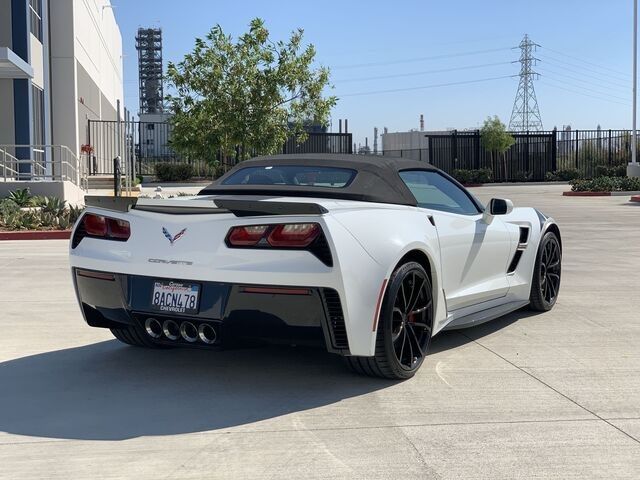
554, 395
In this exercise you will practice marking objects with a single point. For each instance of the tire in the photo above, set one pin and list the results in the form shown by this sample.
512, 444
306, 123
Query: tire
545, 284
132, 335
404, 326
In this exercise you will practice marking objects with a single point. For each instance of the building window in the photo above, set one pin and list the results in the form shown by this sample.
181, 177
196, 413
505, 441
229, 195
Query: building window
35, 14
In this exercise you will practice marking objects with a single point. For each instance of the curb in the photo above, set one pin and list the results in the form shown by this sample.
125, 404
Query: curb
600, 194
36, 235
635, 198
586, 194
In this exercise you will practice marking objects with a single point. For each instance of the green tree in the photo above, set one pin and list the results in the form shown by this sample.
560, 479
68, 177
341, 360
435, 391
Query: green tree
497, 140
245, 97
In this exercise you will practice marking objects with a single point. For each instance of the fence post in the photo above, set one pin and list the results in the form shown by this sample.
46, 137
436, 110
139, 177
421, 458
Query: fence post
4, 164
476, 160
554, 149
454, 150
609, 156
117, 188
577, 163
527, 162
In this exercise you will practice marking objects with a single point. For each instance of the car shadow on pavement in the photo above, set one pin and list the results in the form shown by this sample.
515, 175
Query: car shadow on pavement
108, 391
455, 338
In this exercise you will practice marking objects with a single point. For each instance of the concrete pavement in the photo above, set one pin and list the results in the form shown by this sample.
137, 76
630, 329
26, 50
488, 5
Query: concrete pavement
554, 395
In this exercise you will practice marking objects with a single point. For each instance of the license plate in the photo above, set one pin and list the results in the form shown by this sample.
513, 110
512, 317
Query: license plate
175, 297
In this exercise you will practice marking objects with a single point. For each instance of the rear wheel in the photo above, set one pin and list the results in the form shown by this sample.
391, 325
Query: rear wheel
135, 336
545, 284
404, 326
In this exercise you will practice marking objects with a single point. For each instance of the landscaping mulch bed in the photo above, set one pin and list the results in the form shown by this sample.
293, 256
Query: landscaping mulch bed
35, 235
599, 194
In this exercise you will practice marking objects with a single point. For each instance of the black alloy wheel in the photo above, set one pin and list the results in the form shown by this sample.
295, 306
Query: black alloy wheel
404, 326
546, 274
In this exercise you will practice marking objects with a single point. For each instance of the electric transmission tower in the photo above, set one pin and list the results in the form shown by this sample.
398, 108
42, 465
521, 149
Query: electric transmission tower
149, 47
525, 115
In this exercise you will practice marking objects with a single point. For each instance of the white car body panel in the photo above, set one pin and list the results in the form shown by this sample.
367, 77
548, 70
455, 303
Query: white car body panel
468, 257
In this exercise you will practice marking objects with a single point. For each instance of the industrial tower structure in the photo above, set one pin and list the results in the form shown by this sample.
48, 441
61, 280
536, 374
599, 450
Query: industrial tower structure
149, 47
525, 115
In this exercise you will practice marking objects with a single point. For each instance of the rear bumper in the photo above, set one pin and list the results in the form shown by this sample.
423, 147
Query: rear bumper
296, 314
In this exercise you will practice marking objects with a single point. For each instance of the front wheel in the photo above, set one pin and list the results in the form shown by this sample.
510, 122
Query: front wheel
404, 326
545, 284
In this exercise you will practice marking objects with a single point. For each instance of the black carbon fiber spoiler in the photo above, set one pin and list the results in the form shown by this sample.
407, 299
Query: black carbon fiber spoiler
256, 208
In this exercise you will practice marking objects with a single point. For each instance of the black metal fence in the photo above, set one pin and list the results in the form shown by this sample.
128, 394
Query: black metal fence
149, 143
533, 155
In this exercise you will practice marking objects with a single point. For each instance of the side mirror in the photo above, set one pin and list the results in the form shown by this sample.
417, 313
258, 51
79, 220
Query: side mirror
497, 206
500, 206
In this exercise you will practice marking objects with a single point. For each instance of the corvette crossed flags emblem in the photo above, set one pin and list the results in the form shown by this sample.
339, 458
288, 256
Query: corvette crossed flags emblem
176, 237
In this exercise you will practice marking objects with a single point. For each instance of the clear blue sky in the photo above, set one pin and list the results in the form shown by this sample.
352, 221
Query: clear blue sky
585, 52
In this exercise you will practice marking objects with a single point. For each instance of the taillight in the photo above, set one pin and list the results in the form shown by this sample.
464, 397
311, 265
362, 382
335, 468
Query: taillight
120, 229
293, 235
106, 227
246, 236
95, 225
288, 235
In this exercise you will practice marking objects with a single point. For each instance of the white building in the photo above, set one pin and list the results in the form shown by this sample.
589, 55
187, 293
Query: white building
60, 65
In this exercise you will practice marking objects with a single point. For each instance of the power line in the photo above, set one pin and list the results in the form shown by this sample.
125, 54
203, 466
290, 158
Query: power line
600, 80
425, 72
546, 57
585, 61
424, 86
578, 79
544, 82
417, 59
604, 94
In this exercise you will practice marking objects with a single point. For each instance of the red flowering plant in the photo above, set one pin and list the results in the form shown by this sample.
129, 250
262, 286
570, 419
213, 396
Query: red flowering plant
86, 149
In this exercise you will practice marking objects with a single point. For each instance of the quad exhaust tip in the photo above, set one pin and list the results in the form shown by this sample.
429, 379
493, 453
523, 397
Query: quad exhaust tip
188, 331
207, 333
153, 327
171, 330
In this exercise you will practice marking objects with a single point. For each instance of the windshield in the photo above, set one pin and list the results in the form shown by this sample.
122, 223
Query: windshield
327, 177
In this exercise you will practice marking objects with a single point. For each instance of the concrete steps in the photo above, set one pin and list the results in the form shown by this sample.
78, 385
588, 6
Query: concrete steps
105, 182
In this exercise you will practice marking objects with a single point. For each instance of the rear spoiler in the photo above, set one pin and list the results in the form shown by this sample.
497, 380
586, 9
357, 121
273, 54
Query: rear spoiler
240, 208
256, 208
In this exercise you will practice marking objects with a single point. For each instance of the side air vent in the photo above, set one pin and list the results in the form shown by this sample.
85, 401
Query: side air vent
337, 328
514, 263
524, 235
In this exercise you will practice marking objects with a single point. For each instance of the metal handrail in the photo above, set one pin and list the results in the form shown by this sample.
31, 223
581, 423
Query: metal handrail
61, 164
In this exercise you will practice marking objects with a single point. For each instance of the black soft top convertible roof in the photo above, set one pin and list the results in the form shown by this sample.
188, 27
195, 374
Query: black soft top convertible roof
377, 178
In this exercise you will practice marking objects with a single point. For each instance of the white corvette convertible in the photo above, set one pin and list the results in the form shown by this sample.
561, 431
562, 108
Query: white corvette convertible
368, 256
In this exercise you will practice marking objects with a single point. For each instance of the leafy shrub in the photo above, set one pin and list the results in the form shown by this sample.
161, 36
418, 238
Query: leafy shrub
606, 184
53, 213
52, 205
8, 207
607, 171
173, 172
563, 175
22, 220
21, 197
522, 176
482, 175
74, 213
